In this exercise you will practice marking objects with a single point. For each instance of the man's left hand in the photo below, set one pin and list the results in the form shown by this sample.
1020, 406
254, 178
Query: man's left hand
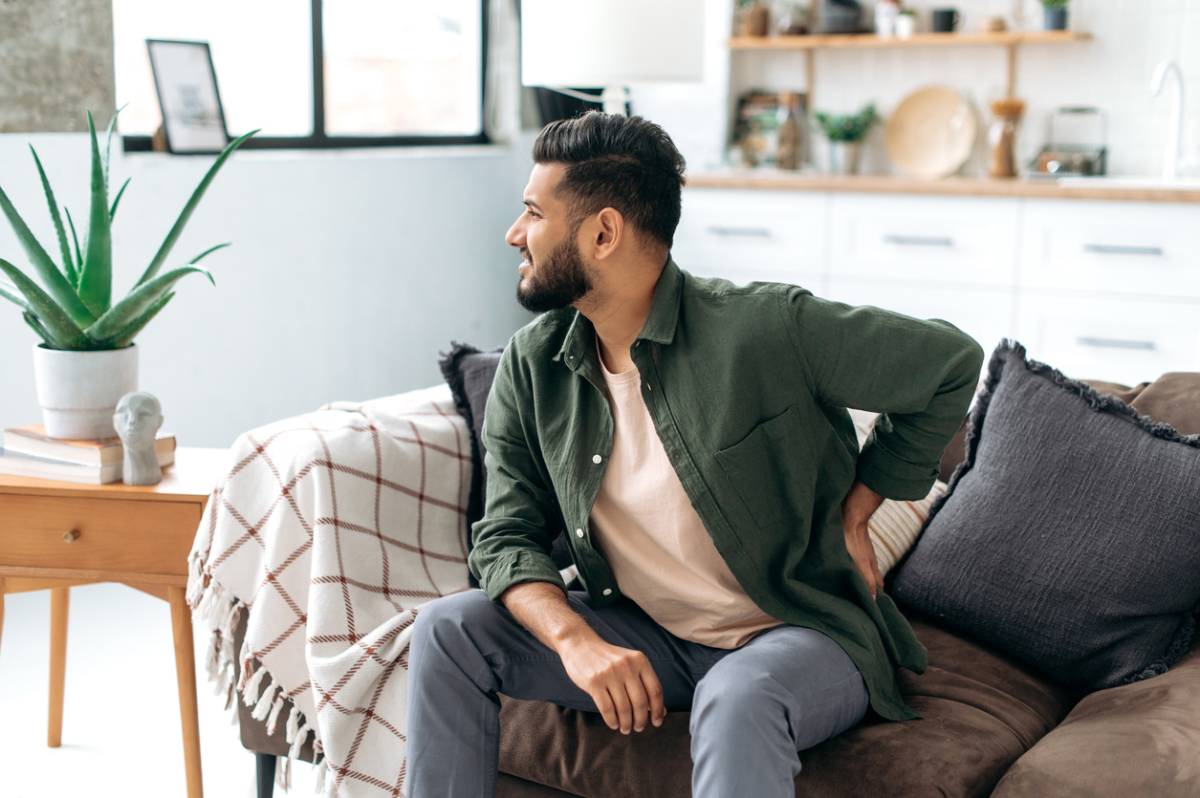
858, 506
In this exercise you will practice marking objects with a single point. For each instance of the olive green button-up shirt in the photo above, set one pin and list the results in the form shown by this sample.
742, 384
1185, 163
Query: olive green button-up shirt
748, 388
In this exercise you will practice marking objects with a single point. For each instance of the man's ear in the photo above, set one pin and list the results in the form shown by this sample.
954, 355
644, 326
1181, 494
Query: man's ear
608, 232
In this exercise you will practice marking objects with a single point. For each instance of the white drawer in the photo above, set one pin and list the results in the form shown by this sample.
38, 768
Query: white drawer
985, 314
1118, 340
936, 239
752, 235
1126, 248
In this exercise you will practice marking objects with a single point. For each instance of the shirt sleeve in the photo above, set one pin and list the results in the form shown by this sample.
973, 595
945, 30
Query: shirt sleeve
521, 517
918, 374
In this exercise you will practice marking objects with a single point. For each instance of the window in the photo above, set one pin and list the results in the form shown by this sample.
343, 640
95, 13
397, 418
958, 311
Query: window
312, 73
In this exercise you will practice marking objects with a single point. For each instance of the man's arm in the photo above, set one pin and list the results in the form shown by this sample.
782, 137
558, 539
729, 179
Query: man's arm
918, 374
511, 558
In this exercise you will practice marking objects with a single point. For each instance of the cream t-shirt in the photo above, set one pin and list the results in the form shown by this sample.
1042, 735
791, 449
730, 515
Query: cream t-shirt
660, 553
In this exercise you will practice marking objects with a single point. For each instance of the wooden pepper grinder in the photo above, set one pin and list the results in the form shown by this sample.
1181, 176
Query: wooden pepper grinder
1002, 136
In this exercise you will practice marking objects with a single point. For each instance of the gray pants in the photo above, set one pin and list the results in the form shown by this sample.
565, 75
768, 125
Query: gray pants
753, 708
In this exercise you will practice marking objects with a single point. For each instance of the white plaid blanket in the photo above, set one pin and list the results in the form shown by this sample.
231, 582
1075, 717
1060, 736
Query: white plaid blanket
328, 531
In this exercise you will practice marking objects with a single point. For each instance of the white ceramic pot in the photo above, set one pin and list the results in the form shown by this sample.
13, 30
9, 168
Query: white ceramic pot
844, 157
79, 391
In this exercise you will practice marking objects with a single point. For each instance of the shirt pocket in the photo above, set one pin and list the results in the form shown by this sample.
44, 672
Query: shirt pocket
770, 472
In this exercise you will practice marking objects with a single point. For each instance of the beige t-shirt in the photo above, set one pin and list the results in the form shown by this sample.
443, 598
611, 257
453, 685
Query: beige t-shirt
660, 553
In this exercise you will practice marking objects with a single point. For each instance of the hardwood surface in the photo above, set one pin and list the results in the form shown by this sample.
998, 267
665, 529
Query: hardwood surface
870, 40
54, 535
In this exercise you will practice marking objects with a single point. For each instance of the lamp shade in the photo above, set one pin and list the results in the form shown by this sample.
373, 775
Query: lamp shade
611, 42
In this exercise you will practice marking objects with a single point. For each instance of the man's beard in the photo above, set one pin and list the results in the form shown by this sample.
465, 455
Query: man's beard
559, 279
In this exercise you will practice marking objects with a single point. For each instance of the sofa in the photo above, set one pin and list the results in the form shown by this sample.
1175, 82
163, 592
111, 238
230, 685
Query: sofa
990, 725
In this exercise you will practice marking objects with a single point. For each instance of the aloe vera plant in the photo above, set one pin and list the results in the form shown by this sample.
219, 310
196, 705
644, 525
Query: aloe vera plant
72, 308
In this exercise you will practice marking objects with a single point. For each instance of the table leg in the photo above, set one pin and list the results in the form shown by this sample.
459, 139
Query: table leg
185, 671
59, 604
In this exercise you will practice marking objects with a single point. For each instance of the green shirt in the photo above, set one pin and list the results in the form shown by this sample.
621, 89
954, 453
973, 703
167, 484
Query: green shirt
748, 388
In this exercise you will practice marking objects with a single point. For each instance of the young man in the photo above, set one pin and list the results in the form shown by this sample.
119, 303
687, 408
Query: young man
691, 437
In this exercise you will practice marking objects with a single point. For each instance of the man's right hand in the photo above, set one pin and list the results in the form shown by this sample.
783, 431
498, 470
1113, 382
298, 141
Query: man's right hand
620, 681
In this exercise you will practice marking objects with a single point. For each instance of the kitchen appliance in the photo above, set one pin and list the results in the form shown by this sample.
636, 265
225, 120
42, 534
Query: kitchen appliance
840, 16
1076, 145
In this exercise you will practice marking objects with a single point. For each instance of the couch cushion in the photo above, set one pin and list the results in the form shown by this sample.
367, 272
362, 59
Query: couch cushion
1068, 537
1136, 739
980, 713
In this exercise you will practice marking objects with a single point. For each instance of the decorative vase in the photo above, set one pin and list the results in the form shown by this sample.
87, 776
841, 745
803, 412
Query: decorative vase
79, 391
844, 157
1055, 18
757, 20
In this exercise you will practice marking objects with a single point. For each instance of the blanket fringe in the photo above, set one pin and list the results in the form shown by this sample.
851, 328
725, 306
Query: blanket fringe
239, 674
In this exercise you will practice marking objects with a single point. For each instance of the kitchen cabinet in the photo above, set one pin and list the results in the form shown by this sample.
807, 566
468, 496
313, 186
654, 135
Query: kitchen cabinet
1096, 288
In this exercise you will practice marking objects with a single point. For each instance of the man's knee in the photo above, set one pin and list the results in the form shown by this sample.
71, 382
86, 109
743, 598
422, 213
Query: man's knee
734, 695
446, 620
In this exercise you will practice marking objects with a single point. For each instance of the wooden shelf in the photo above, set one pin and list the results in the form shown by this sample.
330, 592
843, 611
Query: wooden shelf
870, 40
773, 179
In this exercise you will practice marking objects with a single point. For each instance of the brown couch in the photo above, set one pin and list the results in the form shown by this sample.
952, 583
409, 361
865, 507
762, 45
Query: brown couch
990, 725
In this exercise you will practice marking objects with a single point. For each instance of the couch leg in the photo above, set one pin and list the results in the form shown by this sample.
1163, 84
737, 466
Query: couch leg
264, 764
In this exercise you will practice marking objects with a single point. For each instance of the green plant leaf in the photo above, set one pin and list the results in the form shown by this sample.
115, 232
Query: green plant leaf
112, 127
14, 298
208, 252
112, 212
42, 332
186, 213
95, 281
54, 214
56, 284
140, 298
125, 337
78, 264
51, 315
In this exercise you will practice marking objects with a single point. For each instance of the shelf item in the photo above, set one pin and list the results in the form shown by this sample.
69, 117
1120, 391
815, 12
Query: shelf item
931, 132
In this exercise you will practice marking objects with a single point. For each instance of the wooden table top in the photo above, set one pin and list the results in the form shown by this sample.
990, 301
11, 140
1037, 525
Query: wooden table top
190, 478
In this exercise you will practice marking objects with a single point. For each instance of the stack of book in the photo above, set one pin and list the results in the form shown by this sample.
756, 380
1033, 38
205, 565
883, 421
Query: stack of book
29, 452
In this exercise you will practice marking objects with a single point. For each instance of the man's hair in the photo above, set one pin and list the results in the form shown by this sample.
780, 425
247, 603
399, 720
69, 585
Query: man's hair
622, 162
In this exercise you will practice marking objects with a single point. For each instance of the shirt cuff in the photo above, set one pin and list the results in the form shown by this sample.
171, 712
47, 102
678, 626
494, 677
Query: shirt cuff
519, 566
891, 477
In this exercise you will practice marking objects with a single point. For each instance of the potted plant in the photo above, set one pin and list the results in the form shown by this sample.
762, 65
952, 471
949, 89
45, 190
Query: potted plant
87, 359
1055, 14
906, 23
845, 133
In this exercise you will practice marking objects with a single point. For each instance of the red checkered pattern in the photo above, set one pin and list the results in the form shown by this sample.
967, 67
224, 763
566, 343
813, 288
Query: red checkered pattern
328, 531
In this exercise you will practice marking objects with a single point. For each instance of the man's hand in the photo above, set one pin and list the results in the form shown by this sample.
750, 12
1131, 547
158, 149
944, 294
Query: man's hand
620, 680
858, 506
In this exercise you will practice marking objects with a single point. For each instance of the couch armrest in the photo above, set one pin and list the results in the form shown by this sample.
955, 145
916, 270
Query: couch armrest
1137, 739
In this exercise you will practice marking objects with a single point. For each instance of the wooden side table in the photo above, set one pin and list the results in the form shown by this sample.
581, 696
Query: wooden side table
54, 535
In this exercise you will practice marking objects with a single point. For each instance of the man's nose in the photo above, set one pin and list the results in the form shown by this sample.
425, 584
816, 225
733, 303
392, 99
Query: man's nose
515, 237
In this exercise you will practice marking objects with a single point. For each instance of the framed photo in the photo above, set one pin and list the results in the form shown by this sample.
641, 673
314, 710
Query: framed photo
186, 83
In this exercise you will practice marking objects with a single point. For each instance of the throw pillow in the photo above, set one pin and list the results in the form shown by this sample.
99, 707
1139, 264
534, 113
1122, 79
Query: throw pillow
1069, 538
895, 524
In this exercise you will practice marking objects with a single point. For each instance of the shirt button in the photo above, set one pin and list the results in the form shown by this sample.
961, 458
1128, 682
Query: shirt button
647, 386
607, 591
578, 533
596, 459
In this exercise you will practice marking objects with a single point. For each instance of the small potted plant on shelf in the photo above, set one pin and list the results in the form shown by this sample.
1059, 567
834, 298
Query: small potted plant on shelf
1055, 14
906, 23
845, 133
87, 359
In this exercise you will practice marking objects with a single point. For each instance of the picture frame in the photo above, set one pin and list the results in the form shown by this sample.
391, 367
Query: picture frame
193, 118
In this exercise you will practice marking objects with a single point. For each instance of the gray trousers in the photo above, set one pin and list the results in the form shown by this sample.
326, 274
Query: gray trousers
753, 708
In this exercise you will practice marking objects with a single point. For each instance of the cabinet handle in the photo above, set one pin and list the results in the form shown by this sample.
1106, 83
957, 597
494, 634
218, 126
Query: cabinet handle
71, 537
1123, 249
1115, 343
918, 241
747, 232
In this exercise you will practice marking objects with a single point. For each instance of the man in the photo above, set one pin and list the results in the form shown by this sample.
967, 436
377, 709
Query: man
692, 439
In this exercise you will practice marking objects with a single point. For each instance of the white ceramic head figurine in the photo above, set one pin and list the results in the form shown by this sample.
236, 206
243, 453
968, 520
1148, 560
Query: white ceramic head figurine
137, 419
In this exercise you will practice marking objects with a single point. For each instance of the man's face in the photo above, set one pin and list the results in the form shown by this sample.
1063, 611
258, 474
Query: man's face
552, 272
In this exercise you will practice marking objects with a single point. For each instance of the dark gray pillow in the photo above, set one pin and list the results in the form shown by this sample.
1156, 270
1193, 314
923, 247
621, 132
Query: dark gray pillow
1069, 538
469, 372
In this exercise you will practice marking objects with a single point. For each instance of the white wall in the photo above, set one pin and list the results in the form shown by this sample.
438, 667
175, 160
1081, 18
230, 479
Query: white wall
348, 273
1112, 72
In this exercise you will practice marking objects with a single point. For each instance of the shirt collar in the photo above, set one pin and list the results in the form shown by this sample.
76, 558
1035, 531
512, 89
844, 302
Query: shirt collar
659, 327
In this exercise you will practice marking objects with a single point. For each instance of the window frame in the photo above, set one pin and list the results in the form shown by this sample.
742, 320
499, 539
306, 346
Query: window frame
319, 139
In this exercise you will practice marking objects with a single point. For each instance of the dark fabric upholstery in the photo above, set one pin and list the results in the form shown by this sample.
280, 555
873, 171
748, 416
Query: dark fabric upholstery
1049, 546
980, 713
